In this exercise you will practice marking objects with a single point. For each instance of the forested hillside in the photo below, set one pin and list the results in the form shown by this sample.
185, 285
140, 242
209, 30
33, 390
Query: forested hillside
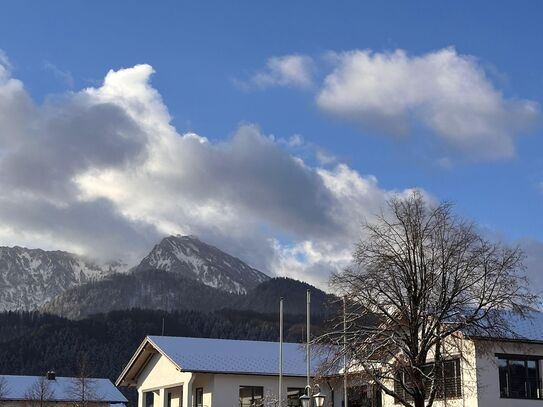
32, 343
163, 290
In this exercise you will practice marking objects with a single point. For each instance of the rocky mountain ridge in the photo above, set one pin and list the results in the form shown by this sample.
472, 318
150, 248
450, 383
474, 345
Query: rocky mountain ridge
30, 278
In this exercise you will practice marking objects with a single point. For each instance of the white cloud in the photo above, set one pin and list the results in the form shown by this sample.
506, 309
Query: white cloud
447, 93
102, 171
287, 70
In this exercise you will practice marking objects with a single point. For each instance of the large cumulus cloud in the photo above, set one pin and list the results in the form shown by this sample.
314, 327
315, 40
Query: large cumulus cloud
103, 172
442, 91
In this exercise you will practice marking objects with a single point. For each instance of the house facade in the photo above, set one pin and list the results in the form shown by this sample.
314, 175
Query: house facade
50, 390
195, 372
493, 372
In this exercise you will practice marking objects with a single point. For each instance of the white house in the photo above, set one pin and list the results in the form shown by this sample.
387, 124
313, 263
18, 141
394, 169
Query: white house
494, 372
195, 372
25, 391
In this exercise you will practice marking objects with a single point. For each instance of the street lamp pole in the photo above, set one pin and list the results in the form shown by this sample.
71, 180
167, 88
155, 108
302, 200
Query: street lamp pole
310, 393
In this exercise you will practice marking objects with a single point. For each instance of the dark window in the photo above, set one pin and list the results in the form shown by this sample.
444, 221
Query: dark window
446, 375
149, 398
519, 377
199, 397
251, 396
363, 396
293, 396
169, 399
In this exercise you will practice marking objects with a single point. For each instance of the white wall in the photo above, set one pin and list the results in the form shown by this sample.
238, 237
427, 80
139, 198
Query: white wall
466, 352
226, 387
158, 375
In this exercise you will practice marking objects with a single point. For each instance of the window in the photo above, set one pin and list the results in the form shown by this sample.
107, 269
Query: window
519, 377
363, 396
199, 397
293, 396
169, 399
149, 398
446, 375
251, 396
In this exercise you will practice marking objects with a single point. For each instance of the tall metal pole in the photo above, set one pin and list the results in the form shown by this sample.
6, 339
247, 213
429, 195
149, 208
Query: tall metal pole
308, 337
344, 352
280, 403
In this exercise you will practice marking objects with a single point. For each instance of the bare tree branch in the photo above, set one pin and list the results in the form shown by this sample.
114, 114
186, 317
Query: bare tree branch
421, 278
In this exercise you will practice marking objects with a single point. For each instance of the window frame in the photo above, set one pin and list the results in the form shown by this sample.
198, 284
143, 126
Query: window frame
146, 394
300, 390
252, 394
440, 395
198, 391
525, 358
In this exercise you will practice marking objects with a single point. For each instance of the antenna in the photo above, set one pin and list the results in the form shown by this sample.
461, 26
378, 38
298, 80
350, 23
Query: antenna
162, 326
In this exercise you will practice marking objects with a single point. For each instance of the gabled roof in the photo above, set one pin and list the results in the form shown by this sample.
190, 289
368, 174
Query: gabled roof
220, 356
102, 389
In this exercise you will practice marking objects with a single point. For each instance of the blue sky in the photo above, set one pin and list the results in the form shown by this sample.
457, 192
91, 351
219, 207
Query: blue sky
205, 55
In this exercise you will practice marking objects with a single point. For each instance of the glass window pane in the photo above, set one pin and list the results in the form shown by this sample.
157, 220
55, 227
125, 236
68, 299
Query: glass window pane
293, 396
504, 377
245, 396
258, 396
517, 379
149, 398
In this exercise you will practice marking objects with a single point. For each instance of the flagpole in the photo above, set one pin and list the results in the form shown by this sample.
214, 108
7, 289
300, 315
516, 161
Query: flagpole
280, 403
308, 356
344, 352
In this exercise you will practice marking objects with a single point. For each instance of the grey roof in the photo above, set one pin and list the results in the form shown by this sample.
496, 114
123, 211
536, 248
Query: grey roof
523, 329
234, 356
530, 329
103, 390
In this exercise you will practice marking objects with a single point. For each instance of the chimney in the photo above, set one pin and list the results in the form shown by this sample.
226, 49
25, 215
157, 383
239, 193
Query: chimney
51, 375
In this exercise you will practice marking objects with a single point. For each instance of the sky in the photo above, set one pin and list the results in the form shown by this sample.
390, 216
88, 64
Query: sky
270, 129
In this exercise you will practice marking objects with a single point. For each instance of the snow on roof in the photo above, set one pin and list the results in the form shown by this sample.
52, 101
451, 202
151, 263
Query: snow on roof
102, 389
234, 356
522, 329
530, 329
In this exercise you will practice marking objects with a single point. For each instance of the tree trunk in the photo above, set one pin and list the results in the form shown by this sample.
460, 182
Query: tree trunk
418, 401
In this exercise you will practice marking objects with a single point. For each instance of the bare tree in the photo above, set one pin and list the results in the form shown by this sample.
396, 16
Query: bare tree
82, 389
421, 278
41, 393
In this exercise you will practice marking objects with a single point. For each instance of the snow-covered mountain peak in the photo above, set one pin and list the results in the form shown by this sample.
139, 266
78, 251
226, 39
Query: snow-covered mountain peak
196, 259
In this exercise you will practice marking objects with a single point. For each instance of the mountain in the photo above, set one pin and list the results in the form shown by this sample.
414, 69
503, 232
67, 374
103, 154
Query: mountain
194, 259
31, 277
265, 296
149, 289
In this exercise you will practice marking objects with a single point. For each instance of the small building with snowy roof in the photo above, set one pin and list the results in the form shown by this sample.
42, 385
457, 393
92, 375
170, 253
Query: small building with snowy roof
198, 372
28, 391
